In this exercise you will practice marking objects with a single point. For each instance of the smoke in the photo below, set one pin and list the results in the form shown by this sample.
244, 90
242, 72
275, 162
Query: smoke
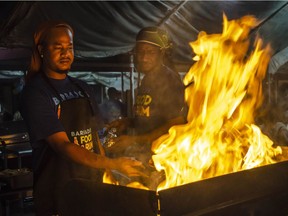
272, 117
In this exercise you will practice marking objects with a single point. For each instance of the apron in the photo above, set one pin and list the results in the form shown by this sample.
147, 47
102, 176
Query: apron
79, 120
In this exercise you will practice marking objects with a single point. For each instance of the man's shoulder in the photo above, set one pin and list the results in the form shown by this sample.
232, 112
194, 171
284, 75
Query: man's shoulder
35, 84
171, 76
37, 79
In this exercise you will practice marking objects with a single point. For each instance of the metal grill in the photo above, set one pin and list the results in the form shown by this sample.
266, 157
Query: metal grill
258, 191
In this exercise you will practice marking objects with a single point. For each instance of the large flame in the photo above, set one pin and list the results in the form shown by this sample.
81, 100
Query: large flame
220, 136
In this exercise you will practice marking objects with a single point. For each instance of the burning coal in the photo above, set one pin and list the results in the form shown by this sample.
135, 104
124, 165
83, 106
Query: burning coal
220, 136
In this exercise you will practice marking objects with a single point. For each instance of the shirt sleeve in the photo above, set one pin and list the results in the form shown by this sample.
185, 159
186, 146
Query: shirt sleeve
39, 114
174, 102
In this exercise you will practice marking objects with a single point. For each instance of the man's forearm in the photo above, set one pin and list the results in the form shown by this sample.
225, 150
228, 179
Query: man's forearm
84, 157
155, 134
61, 144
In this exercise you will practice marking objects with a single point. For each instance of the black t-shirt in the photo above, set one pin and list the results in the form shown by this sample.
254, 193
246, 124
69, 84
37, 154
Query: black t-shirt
38, 107
40, 110
159, 99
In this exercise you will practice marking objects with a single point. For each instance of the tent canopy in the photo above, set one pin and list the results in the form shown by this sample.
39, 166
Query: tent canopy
105, 30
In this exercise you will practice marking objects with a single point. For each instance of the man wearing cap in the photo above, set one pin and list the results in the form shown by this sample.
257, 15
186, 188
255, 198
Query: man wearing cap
159, 102
160, 97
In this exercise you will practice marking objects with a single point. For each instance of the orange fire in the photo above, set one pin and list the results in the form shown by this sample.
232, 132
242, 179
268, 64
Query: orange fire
220, 136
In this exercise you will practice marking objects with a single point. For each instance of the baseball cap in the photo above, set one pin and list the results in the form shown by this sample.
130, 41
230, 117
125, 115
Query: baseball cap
155, 36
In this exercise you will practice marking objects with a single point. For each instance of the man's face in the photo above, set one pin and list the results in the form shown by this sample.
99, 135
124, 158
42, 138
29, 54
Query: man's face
58, 52
148, 57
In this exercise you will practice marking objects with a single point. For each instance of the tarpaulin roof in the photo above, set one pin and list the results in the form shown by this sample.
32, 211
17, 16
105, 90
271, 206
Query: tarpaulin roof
105, 30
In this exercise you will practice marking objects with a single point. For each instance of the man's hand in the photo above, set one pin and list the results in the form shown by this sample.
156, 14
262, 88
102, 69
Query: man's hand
129, 166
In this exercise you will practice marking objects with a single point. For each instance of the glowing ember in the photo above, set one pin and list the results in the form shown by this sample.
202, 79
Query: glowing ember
220, 136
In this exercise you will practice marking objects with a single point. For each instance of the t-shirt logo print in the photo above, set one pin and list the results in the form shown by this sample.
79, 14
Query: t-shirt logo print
143, 105
83, 138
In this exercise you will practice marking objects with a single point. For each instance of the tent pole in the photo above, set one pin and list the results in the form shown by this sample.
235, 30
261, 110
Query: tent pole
122, 83
173, 11
132, 94
269, 17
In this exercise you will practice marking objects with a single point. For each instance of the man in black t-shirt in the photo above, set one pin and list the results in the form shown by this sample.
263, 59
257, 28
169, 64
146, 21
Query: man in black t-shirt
159, 100
61, 118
